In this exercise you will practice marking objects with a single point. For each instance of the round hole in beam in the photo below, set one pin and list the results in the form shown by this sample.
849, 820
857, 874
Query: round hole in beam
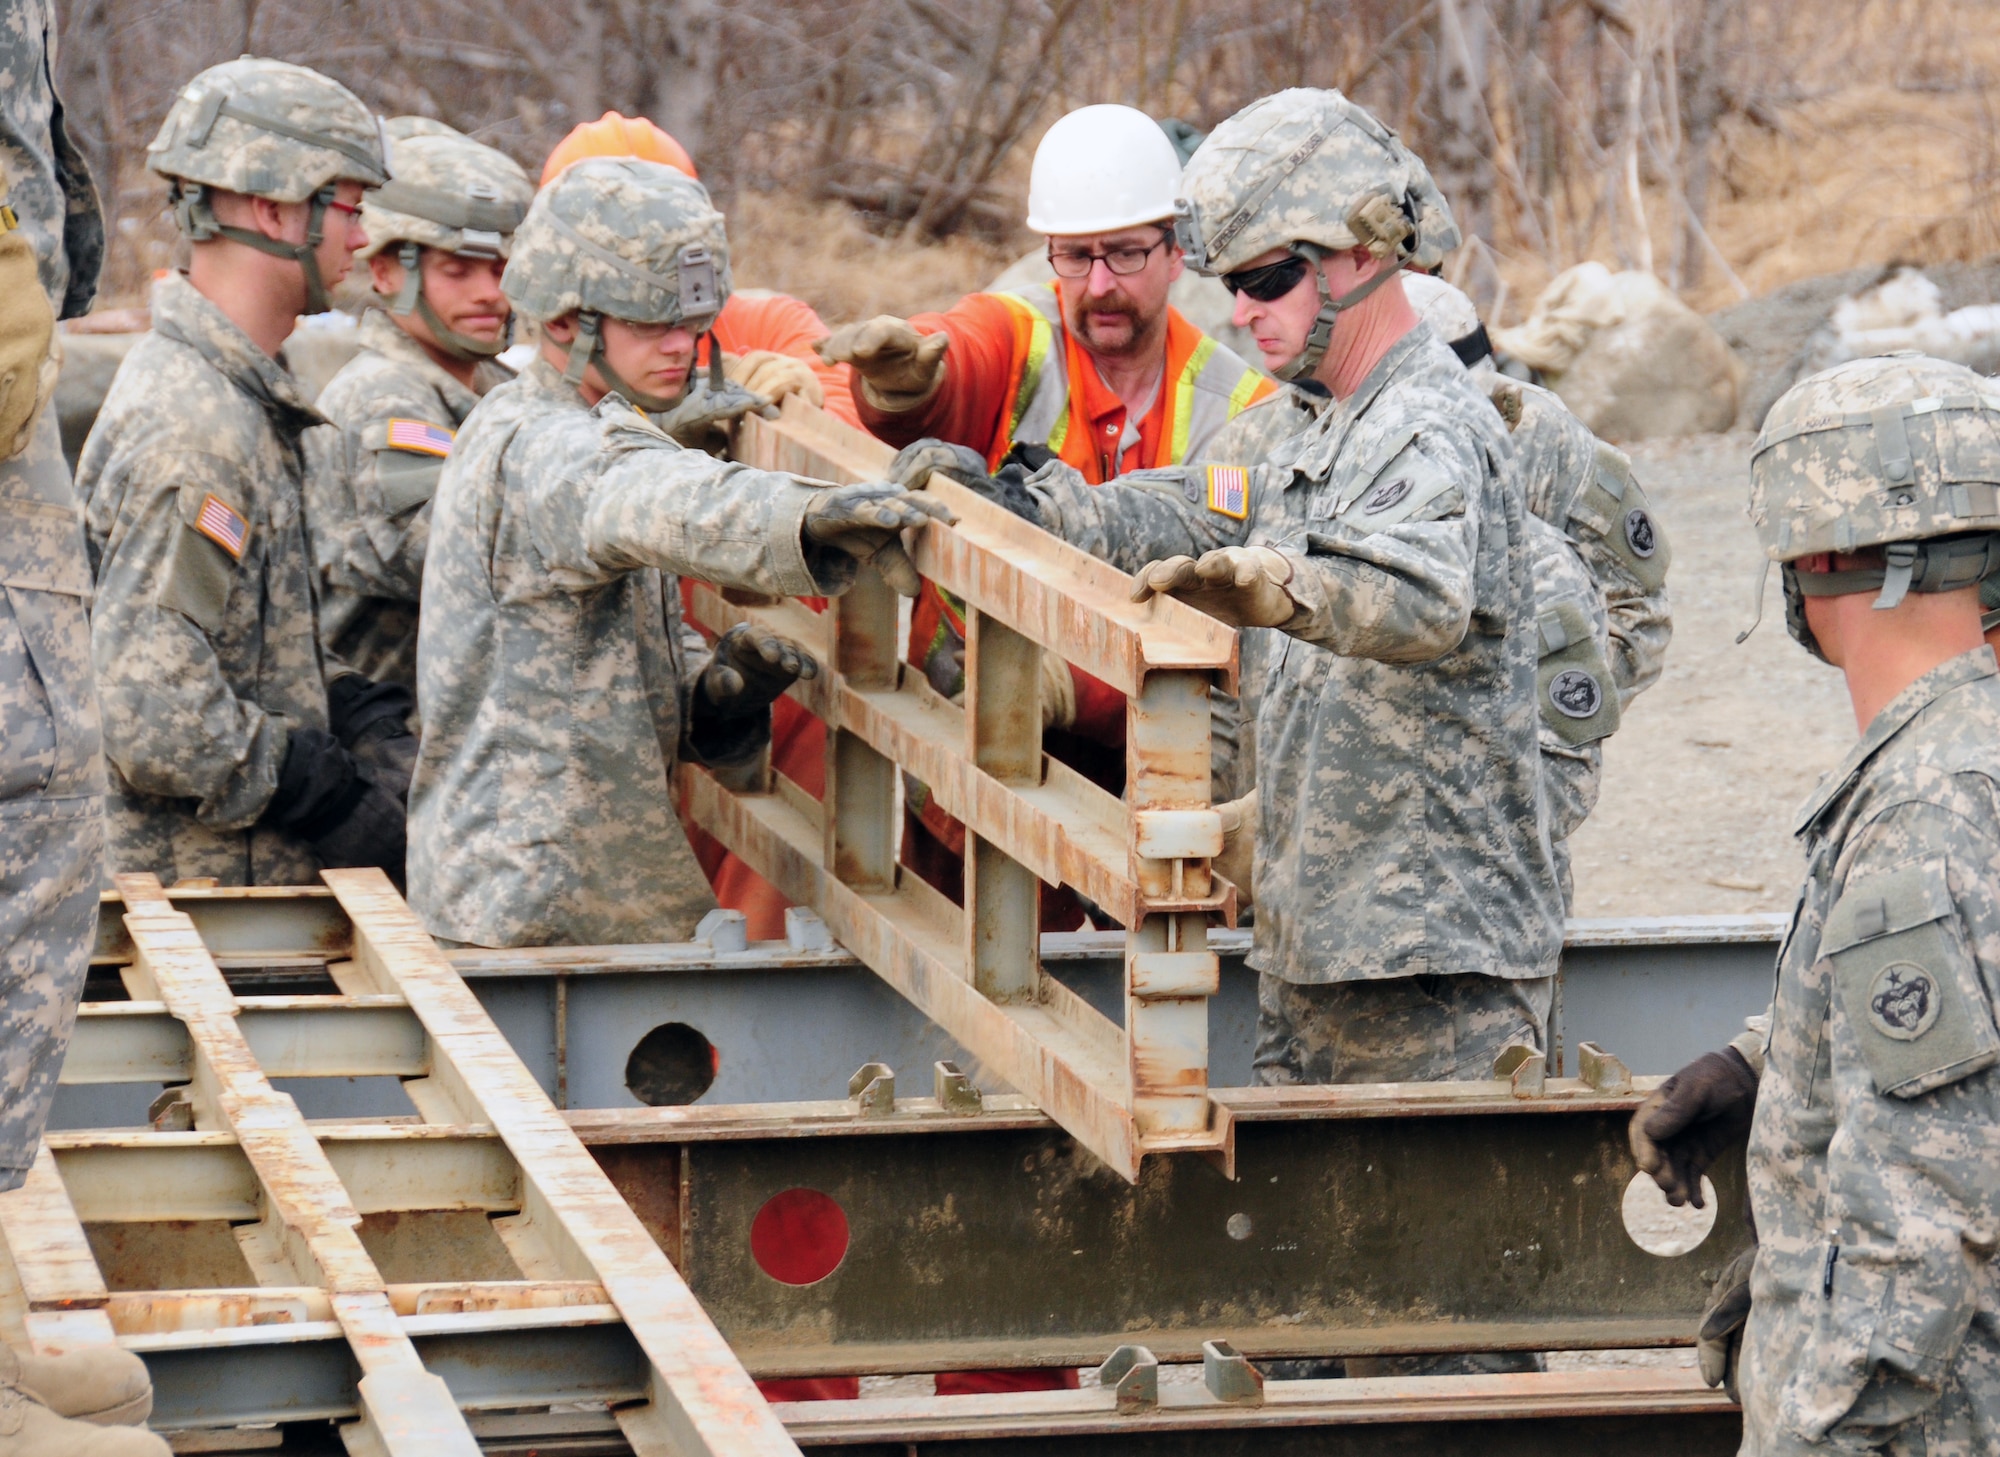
673, 1064
1656, 1226
799, 1237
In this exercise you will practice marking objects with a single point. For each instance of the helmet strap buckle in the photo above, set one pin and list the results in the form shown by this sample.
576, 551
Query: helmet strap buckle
1901, 557
410, 256
584, 347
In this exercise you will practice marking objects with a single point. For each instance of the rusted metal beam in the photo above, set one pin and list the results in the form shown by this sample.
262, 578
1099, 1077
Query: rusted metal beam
308, 1225
699, 1399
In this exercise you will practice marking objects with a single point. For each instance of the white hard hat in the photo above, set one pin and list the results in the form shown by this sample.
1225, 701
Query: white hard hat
1101, 168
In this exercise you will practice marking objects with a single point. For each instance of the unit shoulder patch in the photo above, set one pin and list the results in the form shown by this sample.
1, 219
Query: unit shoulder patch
420, 436
223, 524
1229, 491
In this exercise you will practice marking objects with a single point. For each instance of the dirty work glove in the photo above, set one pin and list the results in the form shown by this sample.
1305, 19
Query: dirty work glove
372, 722
702, 418
1239, 840
1243, 586
915, 462
865, 524
327, 799
1718, 1343
773, 375
1686, 1122
899, 367
27, 332
750, 669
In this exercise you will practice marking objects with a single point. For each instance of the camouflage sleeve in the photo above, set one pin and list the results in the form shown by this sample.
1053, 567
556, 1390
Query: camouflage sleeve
1912, 1176
1145, 515
1621, 540
609, 492
1392, 576
172, 724
1577, 699
385, 520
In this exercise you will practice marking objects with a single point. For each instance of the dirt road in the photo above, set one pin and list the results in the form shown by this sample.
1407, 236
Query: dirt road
1701, 783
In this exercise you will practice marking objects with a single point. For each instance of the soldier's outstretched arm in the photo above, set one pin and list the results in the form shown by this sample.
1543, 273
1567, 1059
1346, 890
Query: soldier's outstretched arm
172, 724
1913, 1186
611, 493
1143, 516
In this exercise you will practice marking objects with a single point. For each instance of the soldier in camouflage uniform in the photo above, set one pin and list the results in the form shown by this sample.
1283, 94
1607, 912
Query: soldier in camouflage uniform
444, 223
51, 759
1408, 914
226, 761
1581, 486
1870, 1092
558, 684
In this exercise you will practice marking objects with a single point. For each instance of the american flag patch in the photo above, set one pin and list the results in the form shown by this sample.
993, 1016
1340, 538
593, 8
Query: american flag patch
1229, 490
222, 524
420, 436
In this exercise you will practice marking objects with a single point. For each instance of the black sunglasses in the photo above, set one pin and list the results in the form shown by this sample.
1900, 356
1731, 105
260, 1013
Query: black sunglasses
1269, 283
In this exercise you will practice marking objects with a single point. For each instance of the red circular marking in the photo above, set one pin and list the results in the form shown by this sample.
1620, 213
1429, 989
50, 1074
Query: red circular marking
799, 1237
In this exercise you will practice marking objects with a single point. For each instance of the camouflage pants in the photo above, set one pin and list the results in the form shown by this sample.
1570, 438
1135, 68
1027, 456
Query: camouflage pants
1418, 1029
1415, 1029
51, 864
51, 788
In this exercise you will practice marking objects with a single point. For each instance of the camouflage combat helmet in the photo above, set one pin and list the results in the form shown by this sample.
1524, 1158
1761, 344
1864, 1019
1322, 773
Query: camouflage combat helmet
1900, 453
266, 129
617, 236
450, 193
1310, 171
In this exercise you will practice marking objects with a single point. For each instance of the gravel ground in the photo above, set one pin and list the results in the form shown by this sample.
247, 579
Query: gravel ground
1702, 781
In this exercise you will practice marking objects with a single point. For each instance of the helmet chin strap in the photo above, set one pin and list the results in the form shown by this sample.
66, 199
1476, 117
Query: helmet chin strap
197, 219
1330, 309
588, 349
462, 347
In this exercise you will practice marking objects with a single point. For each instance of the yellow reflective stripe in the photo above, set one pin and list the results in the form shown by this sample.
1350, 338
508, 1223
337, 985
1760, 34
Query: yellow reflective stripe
1184, 397
1060, 431
1039, 341
1246, 387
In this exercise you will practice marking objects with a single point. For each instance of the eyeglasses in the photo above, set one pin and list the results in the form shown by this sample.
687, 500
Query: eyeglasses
1269, 283
351, 209
654, 332
1122, 261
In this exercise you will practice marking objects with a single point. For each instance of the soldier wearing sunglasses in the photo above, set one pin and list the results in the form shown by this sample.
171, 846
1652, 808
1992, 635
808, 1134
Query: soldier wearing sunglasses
1408, 912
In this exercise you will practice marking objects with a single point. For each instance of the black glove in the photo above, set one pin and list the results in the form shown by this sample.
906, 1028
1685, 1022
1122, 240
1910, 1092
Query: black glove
1718, 1343
750, 670
327, 799
1685, 1124
1007, 487
864, 524
372, 721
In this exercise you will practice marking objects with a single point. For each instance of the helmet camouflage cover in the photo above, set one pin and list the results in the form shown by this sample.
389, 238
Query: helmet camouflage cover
622, 238
1899, 453
269, 129
450, 193
1309, 166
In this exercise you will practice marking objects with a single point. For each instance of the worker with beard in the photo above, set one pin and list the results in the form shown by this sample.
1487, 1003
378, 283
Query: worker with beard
1094, 368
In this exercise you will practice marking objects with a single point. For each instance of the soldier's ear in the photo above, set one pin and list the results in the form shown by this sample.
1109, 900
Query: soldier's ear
562, 329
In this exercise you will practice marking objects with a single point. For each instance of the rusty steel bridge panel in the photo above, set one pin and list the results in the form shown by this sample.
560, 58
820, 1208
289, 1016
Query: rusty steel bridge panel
1123, 1088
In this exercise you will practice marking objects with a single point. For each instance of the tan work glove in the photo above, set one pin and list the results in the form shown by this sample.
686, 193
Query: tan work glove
774, 375
1236, 863
1718, 1343
899, 367
1243, 586
1058, 692
27, 332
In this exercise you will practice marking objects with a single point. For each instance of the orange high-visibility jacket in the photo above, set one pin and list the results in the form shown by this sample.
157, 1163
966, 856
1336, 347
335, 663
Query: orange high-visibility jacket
1015, 374
753, 319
